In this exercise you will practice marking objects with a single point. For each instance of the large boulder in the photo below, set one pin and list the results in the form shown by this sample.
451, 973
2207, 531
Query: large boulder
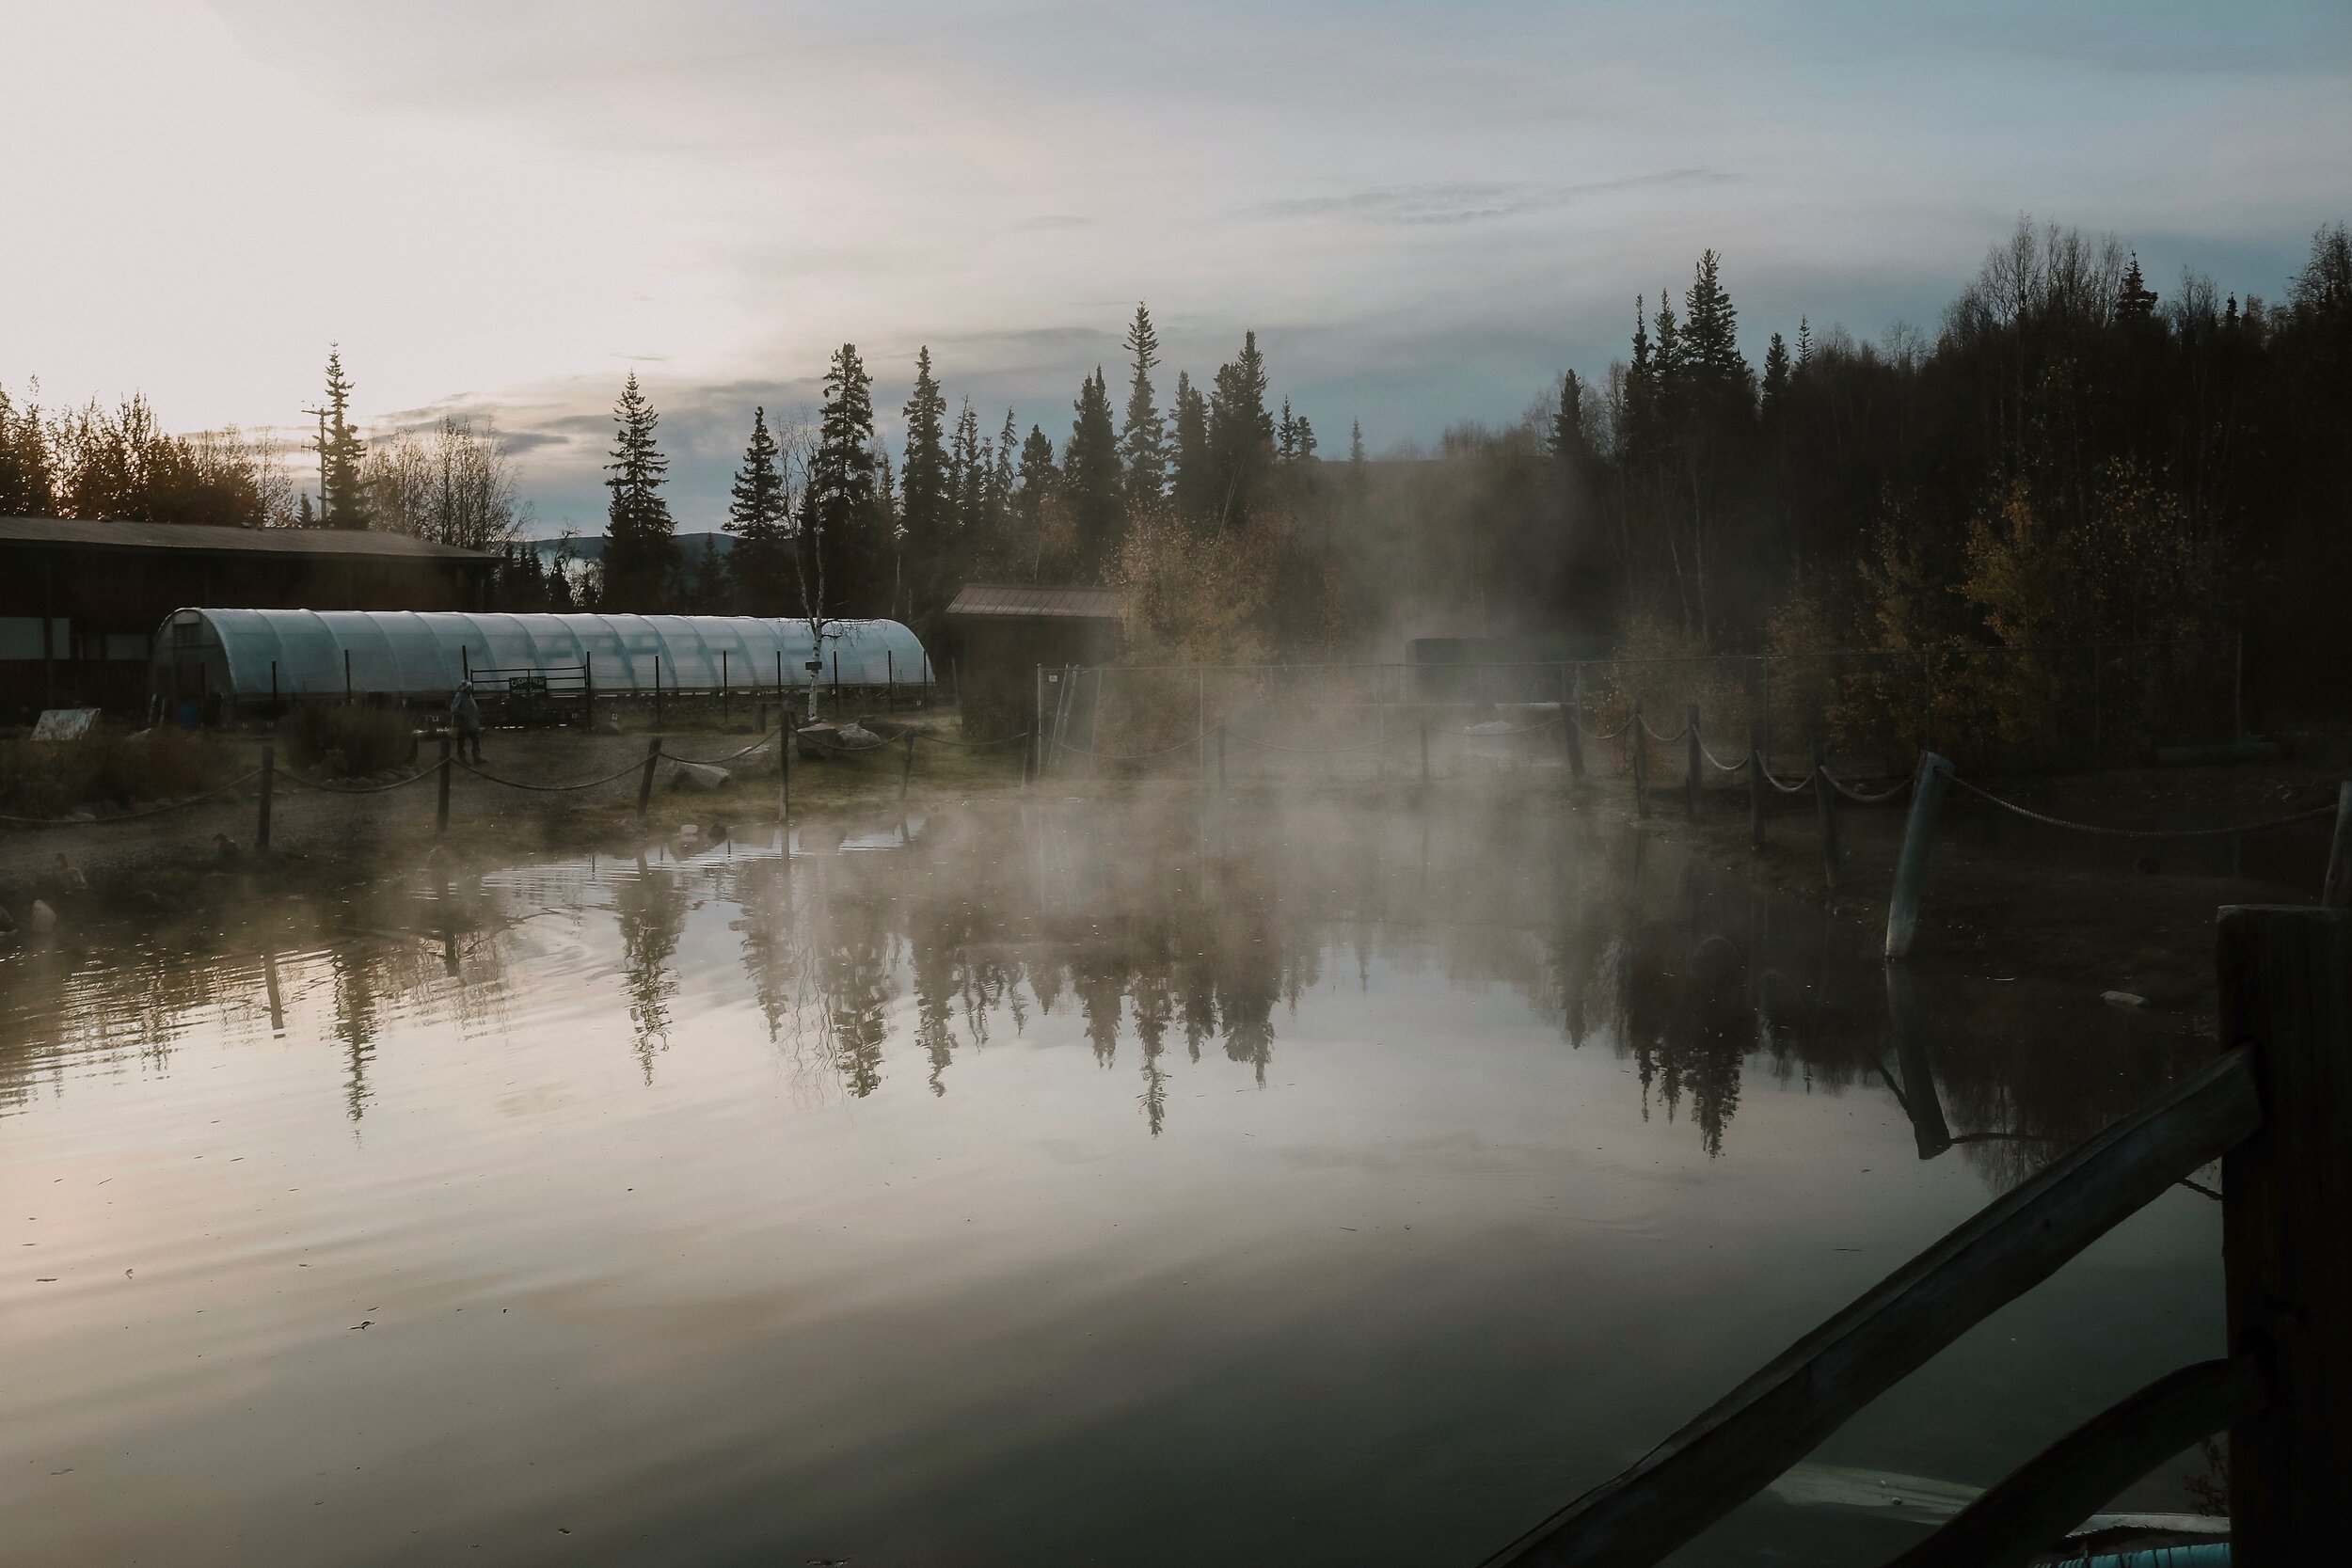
699, 776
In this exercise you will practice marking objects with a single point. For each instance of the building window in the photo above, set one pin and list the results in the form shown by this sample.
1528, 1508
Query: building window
19, 637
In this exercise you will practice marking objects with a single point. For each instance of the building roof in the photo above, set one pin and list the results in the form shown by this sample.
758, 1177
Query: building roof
1039, 601
86, 534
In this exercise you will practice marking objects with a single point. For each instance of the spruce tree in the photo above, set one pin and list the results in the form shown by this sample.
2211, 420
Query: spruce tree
1717, 377
1003, 461
1040, 483
1143, 440
923, 483
343, 501
1775, 377
1195, 482
641, 550
758, 515
1090, 476
1356, 438
970, 464
2134, 300
1302, 438
840, 551
1241, 432
1568, 441
1286, 435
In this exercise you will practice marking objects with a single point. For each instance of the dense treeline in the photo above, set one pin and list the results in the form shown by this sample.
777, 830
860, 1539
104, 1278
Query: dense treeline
2074, 456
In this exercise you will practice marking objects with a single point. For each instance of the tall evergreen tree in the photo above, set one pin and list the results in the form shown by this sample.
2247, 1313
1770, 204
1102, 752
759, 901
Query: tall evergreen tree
1194, 477
1143, 440
1286, 435
759, 517
343, 500
1041, 485
1241, 431
840, 549
1003, 462
924, 484
1716, 376
2134, 300
1090, 477
640, 551
1568, 441
1775, 376
971, 467
1356, 438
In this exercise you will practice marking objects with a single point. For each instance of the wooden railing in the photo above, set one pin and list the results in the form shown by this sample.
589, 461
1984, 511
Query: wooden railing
2276, 1109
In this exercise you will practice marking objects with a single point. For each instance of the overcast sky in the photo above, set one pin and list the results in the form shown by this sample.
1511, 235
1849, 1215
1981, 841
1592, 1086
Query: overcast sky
1426, 211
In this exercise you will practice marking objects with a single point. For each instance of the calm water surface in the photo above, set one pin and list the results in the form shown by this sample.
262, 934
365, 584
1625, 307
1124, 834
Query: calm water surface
1042, 1185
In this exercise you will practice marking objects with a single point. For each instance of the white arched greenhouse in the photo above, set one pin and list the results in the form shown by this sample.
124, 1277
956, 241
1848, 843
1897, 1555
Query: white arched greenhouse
232, 662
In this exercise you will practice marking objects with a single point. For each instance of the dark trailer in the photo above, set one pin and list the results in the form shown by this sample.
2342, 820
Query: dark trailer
79, 599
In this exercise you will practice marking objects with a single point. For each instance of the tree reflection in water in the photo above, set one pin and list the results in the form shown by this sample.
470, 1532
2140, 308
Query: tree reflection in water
1188, 922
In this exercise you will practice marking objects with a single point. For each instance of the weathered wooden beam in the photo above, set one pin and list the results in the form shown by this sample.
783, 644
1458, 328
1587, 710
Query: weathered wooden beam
1736, 1447
2051, 1494
2286, 986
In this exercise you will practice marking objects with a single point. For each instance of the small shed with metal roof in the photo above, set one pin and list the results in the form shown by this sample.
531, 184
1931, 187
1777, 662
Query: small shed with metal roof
1006, 633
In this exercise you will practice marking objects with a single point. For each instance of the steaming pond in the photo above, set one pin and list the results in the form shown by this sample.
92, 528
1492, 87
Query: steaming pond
1044, 1184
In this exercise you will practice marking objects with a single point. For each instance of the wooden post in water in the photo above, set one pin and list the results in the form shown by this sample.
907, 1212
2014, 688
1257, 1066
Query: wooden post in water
440, 804
1825, 802
346, 675
588, 691
1572, 722
656, 691
273, 690
906, 769
1756, 782
1640, 762
725, 685
784, 773
2286, 989
1200, 729
890, 681
269, 784
1694, 759
644, 779
1910, 867
2335, 891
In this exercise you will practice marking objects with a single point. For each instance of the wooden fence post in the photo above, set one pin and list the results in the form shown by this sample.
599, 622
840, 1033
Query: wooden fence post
440, 804
2286, 987
1756, 783
784, 738
588, 691
1640, 762
1825, 802
269, 784
656, 691
1694, 758
890, 680
644, 779
906, 769
1910, 867
2335, 891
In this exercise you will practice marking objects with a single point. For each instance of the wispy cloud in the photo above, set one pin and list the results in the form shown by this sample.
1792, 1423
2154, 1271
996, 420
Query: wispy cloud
1472, 202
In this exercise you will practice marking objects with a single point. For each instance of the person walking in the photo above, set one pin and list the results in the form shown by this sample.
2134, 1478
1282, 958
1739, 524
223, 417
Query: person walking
465, 717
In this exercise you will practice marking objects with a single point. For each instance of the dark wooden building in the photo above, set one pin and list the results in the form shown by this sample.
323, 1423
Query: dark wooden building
1003, 633
80, 601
